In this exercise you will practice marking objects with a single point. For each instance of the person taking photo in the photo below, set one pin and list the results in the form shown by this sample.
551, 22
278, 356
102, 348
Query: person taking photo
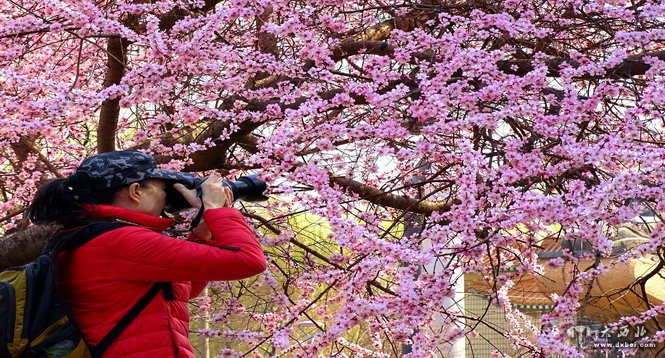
102, 279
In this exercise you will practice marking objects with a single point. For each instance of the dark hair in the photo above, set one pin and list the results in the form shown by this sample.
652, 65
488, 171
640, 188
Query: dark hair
58, 200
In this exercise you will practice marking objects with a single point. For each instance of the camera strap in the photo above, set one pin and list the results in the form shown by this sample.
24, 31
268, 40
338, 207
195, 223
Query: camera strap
197, 218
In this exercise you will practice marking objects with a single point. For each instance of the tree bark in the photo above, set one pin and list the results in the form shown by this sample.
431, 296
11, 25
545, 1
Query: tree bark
108, 117
25, 245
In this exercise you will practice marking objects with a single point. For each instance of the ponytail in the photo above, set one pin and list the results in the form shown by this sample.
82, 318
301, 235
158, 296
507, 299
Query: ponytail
60, 200
54, 202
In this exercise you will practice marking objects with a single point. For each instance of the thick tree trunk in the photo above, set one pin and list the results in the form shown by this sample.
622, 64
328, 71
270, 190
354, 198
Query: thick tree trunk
25, 245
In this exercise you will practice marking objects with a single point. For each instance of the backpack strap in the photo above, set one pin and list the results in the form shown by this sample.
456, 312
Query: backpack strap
81, 232
105, 343
84, 231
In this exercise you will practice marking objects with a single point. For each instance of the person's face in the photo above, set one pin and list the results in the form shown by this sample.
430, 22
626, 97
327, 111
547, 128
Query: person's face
152, 197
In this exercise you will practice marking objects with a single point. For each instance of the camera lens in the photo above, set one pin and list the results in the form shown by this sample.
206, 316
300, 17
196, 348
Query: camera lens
247, 188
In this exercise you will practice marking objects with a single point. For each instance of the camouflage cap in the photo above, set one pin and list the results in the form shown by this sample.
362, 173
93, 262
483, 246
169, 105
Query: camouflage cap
124, 167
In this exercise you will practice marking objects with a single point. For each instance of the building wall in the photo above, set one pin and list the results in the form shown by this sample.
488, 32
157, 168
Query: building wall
488, 339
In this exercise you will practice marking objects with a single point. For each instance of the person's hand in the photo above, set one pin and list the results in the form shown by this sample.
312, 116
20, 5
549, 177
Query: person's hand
214, 194
189, 195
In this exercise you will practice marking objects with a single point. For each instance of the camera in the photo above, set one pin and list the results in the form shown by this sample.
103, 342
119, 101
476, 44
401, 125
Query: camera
247, 188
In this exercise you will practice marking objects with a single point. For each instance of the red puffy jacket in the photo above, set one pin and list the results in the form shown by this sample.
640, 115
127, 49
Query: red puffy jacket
101, 280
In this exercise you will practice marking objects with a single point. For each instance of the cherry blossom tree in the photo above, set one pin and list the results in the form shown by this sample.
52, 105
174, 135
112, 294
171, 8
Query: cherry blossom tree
394, 134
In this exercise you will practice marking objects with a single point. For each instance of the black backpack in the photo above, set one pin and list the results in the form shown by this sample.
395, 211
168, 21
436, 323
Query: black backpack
34, 322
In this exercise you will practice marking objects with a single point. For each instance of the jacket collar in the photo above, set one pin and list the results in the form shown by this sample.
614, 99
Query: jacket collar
98, 211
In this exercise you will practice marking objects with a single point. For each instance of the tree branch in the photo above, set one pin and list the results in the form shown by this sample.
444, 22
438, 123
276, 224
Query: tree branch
379, 197
631, 66
381, 31
169, 19
380, 48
